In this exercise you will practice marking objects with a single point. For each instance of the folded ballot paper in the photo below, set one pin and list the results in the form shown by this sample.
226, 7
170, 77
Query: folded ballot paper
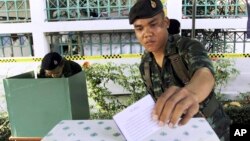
136, 124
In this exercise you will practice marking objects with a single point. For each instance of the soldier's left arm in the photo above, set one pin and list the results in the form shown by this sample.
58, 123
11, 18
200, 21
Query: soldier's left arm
200, 68
177, 102
201, 83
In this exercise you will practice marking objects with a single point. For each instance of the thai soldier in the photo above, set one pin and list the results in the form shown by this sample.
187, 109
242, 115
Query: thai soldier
55, 66
178, 99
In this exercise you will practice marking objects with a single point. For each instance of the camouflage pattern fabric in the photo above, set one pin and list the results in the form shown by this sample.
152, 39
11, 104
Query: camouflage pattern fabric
194, 57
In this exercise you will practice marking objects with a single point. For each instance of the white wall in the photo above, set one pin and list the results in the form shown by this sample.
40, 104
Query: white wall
241, 83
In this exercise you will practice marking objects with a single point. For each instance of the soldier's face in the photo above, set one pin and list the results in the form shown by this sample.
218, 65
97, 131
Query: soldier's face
55, 73
152, 32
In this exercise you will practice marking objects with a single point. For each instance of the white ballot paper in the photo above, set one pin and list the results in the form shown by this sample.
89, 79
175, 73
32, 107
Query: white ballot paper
136, 124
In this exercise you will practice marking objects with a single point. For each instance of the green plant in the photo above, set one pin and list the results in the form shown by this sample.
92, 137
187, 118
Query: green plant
99, 75
224, 70
244, 98
128, 76
239, 115
4, 127
239, 110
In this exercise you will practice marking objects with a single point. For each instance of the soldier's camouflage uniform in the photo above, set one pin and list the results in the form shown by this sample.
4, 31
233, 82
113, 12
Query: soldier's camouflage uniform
194, 57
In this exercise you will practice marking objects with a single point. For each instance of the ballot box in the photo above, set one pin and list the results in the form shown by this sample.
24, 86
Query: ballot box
35, 105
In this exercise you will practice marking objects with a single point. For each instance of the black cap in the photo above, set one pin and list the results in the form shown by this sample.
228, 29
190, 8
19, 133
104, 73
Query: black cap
144, 9
51, 61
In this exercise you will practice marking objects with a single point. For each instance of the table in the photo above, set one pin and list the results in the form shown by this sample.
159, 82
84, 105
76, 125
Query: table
85, 130
106, 130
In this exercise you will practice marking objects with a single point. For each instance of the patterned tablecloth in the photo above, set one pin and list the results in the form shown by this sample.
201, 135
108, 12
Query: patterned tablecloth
106, 130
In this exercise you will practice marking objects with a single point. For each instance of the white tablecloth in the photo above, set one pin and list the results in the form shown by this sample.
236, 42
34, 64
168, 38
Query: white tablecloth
106, 130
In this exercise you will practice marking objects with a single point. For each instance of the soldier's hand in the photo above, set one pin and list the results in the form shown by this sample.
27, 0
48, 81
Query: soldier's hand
175, 105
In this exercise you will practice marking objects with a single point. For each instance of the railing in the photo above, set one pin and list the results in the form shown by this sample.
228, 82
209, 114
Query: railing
14, 11
221, 41
16, 45
110, 43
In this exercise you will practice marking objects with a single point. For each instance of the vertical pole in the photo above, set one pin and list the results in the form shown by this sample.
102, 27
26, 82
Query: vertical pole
193, 19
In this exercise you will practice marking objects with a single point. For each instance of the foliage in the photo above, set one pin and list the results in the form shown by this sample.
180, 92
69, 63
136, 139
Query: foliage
244, 98
4, 127
128, 76
224, 71
239, 115
239, 110
99, 75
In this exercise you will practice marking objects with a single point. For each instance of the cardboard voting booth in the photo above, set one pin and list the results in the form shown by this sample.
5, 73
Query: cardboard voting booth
35, 106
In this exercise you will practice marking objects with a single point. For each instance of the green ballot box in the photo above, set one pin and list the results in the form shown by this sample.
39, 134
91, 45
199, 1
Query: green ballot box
35, 106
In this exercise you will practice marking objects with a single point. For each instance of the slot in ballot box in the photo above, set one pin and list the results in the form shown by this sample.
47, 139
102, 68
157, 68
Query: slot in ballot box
37, 105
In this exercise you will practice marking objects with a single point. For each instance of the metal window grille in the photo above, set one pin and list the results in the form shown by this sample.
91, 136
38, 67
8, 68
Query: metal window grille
221, 41
60, 10
14, 11
110, 43
215, 8
88, 44
16, 45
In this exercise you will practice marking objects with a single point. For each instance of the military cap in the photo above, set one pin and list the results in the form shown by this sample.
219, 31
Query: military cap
143, 9
51, 61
